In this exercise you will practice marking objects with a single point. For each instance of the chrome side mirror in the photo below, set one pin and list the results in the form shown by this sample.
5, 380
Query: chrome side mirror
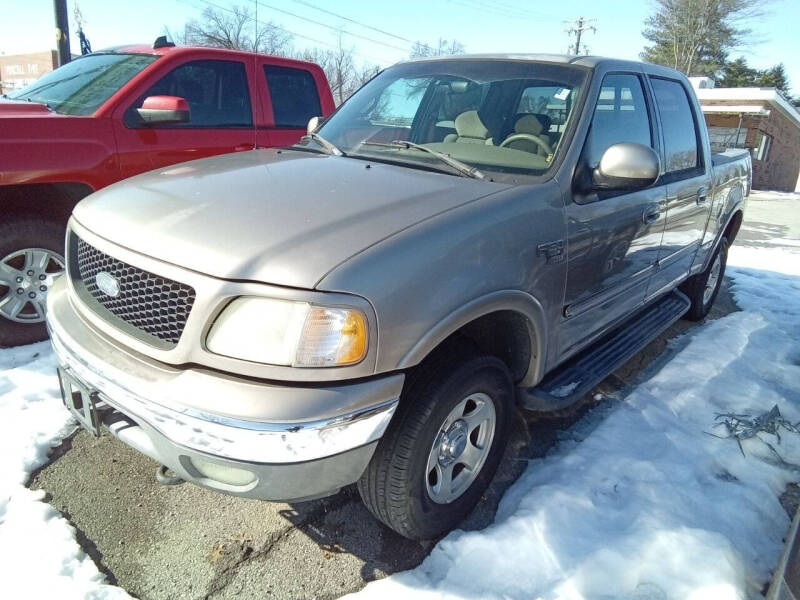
313, 123
626, 166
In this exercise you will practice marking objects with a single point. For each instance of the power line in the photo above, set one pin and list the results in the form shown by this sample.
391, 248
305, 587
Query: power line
503, 10
580, 25
334, 14
270, 24
336, 29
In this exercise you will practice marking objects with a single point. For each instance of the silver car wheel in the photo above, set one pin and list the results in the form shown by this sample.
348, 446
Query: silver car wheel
713, 278
460, 448
25, 278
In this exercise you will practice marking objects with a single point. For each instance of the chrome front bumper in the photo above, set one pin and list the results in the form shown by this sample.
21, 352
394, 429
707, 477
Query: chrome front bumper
318, 453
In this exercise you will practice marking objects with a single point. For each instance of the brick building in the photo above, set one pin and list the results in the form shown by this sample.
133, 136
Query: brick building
761, 120
19, 70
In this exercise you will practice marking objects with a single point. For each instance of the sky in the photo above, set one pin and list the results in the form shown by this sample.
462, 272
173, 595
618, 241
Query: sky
381, 31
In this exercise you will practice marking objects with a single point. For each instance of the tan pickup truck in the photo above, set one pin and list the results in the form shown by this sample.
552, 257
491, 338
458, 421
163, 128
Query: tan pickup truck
464, 237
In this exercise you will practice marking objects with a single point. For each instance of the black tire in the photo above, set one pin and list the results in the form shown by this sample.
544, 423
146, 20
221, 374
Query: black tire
394, 486
695, 286
18, 234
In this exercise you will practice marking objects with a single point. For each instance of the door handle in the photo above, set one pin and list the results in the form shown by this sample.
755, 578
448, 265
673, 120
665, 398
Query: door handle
702, 195
651, 215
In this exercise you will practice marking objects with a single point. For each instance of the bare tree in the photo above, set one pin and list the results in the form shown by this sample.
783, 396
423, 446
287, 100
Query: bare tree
237, 29
344, 76
695, 36
442, 47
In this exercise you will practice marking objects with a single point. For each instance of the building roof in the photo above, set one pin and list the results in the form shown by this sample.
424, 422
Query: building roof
747, 100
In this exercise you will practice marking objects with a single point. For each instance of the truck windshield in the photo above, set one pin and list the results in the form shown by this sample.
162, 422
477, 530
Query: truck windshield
80, 87
495, 115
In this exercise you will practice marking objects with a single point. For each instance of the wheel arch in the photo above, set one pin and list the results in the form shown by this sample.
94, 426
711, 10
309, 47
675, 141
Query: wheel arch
509, 324
733, 223
43, 199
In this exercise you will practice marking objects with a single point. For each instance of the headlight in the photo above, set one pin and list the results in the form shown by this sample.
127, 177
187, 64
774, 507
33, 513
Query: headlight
283, 332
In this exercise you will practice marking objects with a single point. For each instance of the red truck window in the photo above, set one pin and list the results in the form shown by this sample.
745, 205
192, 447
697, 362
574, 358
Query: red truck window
83, 85
216, 90
294, 96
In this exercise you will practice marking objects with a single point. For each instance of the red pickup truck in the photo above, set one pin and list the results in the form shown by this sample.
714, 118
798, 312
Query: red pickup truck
116, 113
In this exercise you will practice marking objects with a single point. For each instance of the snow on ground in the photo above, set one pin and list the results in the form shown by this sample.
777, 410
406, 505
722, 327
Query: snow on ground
638, 502
643, 504
39, 557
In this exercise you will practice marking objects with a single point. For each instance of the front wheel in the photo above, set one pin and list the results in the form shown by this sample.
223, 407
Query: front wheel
31, 259
702, 289
442, 448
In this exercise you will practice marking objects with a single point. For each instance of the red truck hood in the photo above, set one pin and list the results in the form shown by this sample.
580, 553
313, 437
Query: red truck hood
21, 108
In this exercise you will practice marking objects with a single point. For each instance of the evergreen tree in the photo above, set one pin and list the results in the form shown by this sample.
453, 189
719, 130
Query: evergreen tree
737, 74
695, 36
775, 77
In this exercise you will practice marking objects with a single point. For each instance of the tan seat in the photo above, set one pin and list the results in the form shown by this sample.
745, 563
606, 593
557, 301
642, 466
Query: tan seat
530, 125
470, 129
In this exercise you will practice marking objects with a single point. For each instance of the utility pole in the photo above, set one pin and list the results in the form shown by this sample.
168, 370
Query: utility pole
62, 31
580, 25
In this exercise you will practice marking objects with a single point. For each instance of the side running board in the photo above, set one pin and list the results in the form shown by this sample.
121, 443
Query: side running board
575, 378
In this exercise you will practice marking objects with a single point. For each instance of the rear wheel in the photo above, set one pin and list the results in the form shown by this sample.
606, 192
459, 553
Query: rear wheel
443, 446
702, 289
31, 259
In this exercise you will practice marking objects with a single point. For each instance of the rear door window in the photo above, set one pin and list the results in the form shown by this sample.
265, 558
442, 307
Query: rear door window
294, 95
620, 115
678, 125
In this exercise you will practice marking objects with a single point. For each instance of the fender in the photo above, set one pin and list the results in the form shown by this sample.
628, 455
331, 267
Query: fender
511, 300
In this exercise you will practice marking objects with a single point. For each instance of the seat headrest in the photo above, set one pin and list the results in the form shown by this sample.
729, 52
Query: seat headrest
529, 124
469, 124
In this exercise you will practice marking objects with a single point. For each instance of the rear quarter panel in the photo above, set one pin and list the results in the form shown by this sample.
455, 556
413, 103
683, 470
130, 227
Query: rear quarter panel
730, 184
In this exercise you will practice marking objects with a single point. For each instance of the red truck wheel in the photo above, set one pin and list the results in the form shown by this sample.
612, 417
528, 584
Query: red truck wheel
31, 259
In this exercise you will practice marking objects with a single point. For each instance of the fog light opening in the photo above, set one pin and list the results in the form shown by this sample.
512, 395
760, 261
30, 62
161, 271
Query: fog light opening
222, 473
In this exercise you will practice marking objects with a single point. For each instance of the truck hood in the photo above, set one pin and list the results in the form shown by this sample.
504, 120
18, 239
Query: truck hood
21, 108
281, 217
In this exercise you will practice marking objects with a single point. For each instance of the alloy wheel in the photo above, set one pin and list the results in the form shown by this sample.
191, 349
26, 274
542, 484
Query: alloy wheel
25, 278
460, 448
713, 278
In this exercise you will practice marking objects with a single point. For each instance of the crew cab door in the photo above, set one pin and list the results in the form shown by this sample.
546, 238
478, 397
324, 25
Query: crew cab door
613, 237
289, 95
221, 117
688, 183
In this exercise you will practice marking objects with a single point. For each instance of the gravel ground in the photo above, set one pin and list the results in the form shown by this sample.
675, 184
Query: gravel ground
185, 542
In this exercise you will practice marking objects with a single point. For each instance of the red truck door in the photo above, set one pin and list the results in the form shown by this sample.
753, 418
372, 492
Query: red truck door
290, 94
221, 117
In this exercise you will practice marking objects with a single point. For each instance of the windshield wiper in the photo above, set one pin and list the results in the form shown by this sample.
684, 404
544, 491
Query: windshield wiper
461, 167
331, 148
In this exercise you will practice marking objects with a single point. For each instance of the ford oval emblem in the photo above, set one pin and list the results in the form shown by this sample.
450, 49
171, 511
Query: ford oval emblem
107, 284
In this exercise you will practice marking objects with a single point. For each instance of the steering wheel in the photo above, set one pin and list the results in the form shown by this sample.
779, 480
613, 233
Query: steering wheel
528, 136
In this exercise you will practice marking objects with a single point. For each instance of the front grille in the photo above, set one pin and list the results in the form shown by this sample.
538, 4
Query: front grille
146, 304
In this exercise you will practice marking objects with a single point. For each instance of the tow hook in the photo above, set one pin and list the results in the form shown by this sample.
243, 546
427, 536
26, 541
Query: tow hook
166, 477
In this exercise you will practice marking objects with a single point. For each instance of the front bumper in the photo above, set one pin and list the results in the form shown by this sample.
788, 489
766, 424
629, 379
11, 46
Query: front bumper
163, 411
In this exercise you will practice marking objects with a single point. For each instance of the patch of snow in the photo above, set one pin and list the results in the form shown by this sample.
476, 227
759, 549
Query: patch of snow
772, 195
39, 557
647, 505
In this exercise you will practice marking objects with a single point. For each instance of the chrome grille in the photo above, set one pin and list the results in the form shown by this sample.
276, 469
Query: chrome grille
150, 304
